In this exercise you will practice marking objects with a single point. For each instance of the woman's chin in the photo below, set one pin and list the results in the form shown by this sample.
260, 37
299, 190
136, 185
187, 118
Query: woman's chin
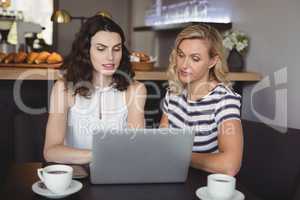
106, 72
185, 80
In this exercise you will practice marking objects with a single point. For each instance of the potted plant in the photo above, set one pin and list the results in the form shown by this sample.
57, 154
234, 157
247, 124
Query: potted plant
236, 42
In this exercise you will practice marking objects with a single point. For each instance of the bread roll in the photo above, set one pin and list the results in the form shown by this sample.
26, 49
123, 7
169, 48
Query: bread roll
10, 58
31, 57
54, 58
20, 57
42, 57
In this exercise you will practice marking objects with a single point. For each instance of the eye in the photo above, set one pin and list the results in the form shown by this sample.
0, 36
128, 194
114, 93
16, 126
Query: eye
117, 49
180, 54
99, 48
196, 58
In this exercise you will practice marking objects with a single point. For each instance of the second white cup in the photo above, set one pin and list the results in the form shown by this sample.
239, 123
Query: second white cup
57, 178
221, 186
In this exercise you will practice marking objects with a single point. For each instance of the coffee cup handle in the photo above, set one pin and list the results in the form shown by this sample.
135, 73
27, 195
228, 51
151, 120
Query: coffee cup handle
40, 174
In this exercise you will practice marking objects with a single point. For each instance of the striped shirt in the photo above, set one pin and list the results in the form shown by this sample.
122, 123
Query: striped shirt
203, 115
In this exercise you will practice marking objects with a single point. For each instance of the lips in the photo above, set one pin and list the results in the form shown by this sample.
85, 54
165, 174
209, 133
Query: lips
108, 66
185, 73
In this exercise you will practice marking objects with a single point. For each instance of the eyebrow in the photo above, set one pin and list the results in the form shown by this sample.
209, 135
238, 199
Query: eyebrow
193, 54
107, 46
178, 49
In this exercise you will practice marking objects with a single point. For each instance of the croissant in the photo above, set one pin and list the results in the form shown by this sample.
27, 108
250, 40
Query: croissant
2, 56
20, 57
54, 58
31, 57
9, 58
42, 57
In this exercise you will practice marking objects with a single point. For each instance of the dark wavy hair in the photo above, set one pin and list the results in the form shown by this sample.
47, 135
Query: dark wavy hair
78, 66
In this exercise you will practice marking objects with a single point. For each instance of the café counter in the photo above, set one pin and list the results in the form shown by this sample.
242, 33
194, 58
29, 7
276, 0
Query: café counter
27, 73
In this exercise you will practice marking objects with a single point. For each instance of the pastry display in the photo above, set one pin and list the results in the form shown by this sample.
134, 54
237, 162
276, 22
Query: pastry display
140, 61
142, 57
31, 59
22, 57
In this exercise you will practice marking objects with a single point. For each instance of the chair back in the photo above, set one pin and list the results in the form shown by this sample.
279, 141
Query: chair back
271, 165
29, 136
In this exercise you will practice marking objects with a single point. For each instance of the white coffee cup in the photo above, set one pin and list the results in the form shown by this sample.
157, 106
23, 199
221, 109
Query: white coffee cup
57, 178
220, 186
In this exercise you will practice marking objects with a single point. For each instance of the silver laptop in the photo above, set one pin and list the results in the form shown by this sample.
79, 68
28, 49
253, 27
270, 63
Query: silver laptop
141, 156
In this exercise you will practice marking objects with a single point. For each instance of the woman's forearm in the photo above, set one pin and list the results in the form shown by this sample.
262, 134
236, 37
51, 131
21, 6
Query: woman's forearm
215, 163
65, 154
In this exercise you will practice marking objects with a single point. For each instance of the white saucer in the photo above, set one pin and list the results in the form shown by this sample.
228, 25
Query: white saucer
74, 187
202, 194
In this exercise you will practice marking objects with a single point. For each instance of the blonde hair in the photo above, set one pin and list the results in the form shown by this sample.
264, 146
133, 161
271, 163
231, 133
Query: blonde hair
204, 32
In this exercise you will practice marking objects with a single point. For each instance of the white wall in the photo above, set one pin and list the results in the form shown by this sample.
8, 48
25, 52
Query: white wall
66, 32
273, 27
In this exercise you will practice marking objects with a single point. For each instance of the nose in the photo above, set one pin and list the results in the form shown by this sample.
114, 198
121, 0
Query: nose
186, 63
110, 55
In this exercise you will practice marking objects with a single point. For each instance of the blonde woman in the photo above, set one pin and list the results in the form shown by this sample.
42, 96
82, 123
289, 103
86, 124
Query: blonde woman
200, 98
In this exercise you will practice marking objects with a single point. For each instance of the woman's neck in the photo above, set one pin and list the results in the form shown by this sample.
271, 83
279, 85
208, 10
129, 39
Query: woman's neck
102, 81
197, 90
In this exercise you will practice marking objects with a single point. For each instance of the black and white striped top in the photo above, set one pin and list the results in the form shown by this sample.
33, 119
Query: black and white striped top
203, 115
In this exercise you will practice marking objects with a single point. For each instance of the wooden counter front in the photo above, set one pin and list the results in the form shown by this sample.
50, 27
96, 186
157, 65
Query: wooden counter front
18, 73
